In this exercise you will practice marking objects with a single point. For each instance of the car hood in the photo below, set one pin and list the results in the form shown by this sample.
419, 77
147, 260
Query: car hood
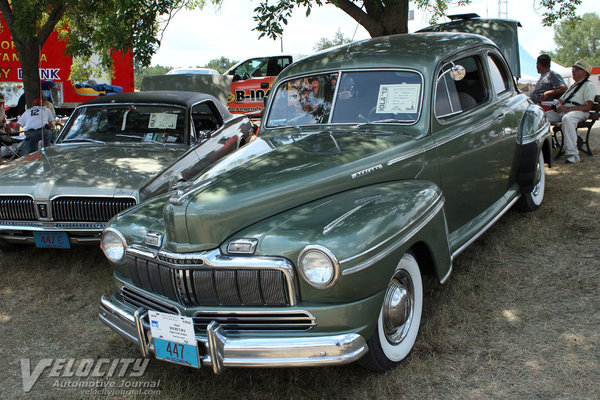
308, 167
82, 170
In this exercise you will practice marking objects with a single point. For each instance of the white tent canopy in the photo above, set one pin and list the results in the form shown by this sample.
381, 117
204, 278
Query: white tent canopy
529, 74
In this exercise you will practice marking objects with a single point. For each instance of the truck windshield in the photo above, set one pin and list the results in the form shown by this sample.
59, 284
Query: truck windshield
126, 123
348, 98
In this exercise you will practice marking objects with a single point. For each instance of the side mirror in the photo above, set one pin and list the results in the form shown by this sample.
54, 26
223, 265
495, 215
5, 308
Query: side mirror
457, 72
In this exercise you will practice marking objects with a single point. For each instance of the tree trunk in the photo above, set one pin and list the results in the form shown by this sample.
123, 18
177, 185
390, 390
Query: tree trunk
29, 57
379, 17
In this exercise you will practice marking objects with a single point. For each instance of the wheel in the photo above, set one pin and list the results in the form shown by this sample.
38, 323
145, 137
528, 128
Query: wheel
532, 198
399, 318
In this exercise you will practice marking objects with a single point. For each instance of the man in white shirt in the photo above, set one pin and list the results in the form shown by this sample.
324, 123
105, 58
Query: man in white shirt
573, 107
38, 123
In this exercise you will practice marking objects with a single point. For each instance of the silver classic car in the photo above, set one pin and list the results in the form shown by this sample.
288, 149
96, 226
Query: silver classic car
378, 162
114, 152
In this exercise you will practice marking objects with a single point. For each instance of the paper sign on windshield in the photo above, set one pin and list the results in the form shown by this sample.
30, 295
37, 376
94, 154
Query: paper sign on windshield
162, 121
399, 98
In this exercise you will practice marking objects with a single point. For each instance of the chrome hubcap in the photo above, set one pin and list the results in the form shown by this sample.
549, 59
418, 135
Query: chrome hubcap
398, 307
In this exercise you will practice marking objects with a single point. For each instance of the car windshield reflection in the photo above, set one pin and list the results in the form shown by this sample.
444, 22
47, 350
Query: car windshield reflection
126, 123
384, 97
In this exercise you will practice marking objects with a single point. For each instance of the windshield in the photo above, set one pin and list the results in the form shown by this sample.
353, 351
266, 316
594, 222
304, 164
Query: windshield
126, 123
358, 97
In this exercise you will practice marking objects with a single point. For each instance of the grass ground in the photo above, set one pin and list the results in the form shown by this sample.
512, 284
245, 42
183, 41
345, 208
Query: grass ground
518, 319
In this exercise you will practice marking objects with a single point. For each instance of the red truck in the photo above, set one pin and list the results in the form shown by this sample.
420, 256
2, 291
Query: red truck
55, 68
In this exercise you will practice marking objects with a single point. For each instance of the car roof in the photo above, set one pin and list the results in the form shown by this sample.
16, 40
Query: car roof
419, 51
173, 97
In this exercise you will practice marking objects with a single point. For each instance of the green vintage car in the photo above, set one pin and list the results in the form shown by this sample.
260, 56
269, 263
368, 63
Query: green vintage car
113, 152
378, 162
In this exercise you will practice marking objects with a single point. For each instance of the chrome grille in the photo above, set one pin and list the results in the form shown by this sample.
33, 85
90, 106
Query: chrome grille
17, 208
256, 321
89, 209
207, 286
138, 300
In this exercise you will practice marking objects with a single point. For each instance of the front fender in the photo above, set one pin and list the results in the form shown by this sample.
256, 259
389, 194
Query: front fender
367, 229
534, 137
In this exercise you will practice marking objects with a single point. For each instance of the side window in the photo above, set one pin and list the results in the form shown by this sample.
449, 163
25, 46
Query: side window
278, 64
454, 96
257, 67
498, 74
205, 120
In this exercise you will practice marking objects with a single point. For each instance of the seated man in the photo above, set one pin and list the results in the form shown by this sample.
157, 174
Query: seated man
550, 85
38, 123
573, 107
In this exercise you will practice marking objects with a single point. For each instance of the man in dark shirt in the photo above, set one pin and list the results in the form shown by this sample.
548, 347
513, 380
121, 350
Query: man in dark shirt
550, 85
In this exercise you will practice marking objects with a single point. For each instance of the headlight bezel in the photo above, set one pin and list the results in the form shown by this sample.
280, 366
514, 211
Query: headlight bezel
328, 254
120, 237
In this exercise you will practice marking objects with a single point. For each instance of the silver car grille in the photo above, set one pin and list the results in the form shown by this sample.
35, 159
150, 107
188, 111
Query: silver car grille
88, 209
232, 322
209, 286
17, 208
293, 321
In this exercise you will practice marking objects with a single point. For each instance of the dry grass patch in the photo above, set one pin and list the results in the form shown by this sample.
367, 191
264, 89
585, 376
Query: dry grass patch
519, 318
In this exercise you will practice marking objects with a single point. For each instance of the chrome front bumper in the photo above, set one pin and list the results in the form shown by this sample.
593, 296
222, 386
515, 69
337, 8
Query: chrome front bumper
223, 351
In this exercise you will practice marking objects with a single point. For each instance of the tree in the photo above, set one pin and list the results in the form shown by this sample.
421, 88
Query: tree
382, 17
325, 43
558, 10
578, 40
221, 64
92, 27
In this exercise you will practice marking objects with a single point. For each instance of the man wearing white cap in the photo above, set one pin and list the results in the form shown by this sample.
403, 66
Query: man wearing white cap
573, 107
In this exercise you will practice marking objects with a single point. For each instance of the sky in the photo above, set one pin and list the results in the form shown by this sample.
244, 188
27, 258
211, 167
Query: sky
193, 38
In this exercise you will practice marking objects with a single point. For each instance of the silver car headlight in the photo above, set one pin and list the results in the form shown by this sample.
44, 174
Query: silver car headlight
318, 266
113, 245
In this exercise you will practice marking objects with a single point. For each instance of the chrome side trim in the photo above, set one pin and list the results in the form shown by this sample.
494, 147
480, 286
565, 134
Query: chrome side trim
486, 227
224, 351
403, 236
405, 156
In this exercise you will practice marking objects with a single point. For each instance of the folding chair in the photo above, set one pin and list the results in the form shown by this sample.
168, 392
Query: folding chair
7, 141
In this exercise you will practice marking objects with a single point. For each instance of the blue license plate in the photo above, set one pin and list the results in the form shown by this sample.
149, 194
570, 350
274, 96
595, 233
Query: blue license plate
52, 240
179, 353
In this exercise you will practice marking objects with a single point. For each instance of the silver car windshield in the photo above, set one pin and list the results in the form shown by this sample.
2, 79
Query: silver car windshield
126, 123
348, 98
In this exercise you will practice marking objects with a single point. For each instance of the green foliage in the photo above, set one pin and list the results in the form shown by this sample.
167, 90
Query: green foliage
578, 40
325, 43
558, 10
221, 64
271, 18
142, 72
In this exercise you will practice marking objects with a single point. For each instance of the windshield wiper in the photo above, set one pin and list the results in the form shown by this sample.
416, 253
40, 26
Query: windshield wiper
83, 140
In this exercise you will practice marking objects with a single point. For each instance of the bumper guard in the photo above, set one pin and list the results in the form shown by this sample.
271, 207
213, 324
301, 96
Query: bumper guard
223, 351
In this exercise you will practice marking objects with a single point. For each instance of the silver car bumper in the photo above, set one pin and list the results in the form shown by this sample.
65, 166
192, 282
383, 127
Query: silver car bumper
223, 351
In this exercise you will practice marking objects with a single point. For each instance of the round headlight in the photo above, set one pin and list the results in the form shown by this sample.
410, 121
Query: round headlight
113, 245
318, 266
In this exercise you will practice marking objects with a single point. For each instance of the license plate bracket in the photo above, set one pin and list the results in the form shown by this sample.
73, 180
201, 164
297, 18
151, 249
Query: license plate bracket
174, 338
51, 240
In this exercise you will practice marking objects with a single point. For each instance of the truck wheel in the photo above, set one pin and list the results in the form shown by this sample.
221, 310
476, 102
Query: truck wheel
399, 318
532, 198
